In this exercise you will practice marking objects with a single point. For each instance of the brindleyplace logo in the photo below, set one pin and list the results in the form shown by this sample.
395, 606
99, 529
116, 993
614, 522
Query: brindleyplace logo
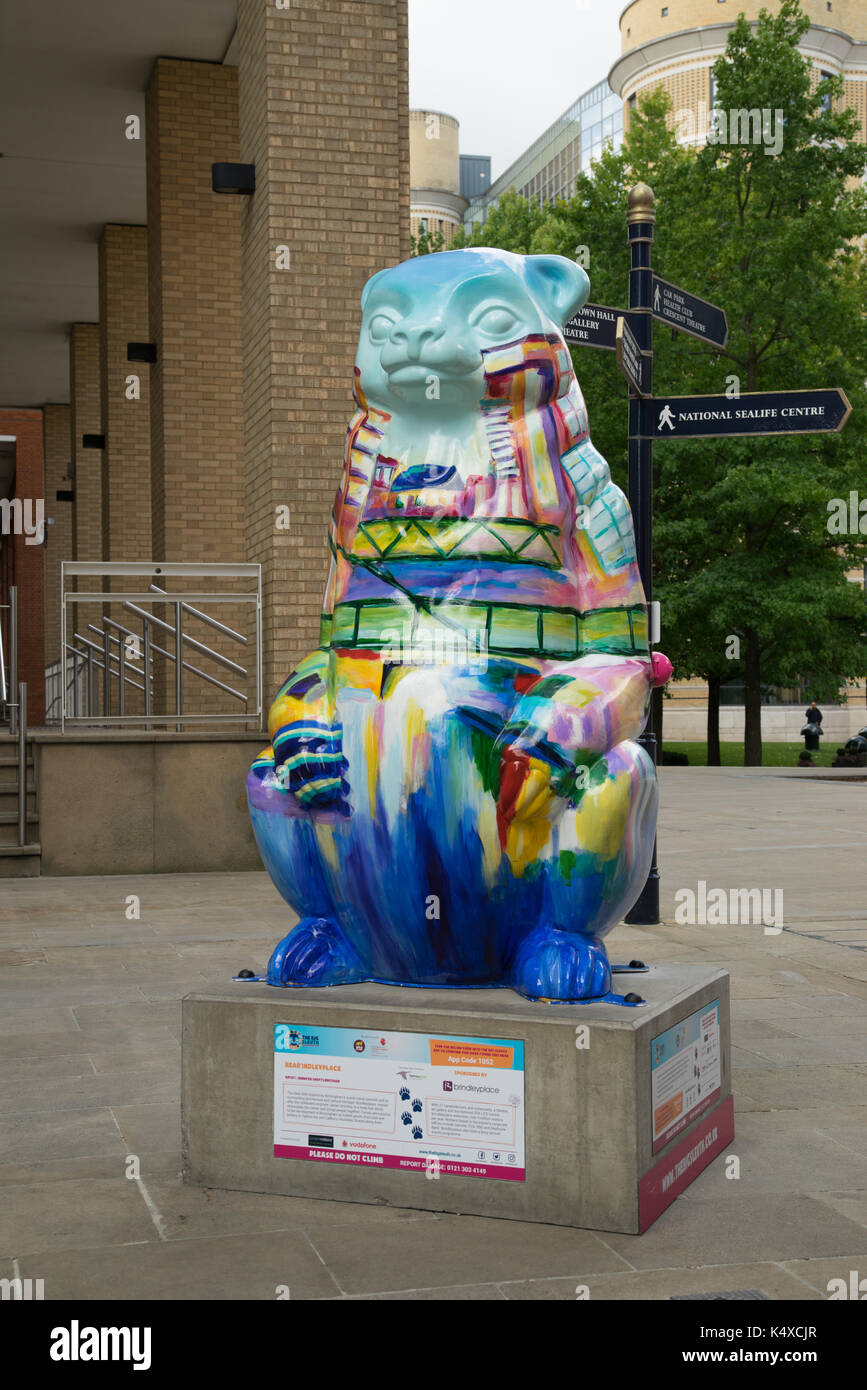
77, 1343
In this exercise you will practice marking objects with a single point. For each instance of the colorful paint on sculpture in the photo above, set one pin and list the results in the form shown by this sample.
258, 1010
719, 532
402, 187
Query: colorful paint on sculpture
453, 795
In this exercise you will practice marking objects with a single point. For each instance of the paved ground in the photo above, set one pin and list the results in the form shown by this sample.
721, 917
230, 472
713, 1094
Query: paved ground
89, 1073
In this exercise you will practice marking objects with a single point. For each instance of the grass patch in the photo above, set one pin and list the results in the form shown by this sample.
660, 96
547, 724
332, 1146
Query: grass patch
773, 754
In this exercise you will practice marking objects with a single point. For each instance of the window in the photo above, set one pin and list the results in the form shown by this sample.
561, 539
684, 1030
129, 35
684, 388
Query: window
422, 226
664, 11
826, 100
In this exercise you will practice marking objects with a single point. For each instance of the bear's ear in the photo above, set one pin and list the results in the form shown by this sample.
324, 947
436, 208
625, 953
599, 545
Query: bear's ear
558, 284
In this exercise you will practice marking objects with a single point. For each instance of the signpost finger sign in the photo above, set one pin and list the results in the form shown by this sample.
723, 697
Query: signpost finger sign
687, 312
759, 412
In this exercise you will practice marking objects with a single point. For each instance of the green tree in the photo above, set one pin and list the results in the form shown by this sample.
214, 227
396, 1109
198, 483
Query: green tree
511, 225
426, 242
782, 233
742, 546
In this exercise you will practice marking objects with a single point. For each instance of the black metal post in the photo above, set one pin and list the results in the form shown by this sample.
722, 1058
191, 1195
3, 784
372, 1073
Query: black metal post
640, 220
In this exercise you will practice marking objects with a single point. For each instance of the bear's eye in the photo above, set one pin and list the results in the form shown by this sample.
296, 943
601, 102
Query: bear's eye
497, 320
380, 327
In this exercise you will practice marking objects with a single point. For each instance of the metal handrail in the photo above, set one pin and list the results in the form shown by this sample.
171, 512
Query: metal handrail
22, 763
10, 683
203, 617
110, 656
170, 656
100, 665
2, 665
198, 646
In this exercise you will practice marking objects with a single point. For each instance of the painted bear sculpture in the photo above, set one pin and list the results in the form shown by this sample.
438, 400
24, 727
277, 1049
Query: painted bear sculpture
453, 795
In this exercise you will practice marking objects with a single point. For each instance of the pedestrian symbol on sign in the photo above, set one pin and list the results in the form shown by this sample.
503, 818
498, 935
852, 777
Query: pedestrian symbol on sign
656, 299
666, 418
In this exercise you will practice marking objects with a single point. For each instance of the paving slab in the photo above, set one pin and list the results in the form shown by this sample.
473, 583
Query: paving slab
152, 1163
22, 1097
65, 1215
816, 1274
70, 1133
145, 1127
661, 1284
187, 1212
754, 1227
432, 1253
236, 1268
88, 996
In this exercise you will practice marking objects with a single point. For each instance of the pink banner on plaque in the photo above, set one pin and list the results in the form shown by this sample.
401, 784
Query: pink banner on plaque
674, 1173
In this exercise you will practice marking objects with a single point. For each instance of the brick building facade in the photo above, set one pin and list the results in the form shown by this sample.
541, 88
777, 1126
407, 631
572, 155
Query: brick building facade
251, 307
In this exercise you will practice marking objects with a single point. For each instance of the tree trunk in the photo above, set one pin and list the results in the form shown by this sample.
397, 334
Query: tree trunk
752, 702
713, 748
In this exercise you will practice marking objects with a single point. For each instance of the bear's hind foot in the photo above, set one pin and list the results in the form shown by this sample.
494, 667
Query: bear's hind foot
554, 964
315, 953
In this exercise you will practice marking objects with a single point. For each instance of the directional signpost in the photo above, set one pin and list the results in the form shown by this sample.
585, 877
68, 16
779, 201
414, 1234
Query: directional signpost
633, 363
630, 334
759, 412
687, 312
595, 326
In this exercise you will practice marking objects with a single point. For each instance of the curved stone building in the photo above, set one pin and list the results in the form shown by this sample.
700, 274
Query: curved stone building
675, 45
436, 204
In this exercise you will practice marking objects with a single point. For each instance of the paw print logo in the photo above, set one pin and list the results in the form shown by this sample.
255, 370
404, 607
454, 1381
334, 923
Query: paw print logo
406, 1117
416, 1132
417, 1106
404, 1093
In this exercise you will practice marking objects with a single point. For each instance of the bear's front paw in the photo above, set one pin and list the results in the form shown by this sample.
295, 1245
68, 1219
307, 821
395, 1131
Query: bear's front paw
554, 964
314, 953
309, 764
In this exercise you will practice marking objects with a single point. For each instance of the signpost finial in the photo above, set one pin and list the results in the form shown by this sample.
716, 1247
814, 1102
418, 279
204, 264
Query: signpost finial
640, 201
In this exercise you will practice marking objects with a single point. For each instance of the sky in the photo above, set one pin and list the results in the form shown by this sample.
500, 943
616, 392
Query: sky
507, 68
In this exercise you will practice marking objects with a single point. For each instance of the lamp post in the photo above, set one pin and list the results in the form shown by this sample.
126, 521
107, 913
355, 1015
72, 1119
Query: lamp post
640, 221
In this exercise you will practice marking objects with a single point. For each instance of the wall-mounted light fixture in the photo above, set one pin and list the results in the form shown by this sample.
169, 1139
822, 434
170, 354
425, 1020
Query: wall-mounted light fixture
233, 178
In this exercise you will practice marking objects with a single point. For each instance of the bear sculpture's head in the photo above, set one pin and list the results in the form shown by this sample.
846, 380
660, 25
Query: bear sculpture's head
427, 322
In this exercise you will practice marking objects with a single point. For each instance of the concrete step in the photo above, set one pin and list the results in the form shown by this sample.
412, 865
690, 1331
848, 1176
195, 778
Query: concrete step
20, 861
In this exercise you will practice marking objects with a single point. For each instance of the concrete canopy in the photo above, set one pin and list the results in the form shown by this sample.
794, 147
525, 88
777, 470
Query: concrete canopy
74, 72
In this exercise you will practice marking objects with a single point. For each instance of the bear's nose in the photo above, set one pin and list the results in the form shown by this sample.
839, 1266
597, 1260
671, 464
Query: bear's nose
414, 338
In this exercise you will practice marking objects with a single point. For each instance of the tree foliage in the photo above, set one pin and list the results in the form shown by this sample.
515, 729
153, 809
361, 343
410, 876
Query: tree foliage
742, 545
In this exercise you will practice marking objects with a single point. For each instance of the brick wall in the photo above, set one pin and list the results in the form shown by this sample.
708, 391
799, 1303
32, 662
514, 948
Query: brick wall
197, 425
86, 416
195, 313
324, 111
57, 446
123, 318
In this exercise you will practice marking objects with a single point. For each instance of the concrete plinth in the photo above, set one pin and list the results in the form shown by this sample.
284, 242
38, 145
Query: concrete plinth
605, 1146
